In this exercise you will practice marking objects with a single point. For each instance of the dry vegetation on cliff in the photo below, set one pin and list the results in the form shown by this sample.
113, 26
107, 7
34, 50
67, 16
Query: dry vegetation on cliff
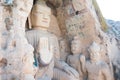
100, 16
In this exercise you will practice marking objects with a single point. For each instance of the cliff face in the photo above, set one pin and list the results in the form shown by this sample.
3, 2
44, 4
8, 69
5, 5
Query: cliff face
69, 18
79, 17
84, 18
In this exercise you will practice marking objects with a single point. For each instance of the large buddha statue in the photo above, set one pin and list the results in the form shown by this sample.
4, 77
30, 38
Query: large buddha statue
44, 42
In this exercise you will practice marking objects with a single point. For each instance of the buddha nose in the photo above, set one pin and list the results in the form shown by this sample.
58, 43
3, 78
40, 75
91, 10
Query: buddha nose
45, 16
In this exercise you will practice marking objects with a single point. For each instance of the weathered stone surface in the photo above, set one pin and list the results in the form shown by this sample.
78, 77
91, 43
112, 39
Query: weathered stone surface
78, 22
17, 53
59, 33
63, 71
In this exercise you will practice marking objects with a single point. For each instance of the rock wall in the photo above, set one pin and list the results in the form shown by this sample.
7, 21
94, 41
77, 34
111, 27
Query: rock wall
79, 18
75, 30
16, 53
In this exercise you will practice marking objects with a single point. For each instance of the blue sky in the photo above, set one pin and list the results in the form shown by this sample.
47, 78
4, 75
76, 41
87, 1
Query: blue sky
110, 9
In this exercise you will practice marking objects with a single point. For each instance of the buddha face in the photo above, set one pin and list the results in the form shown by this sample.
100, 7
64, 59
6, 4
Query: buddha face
75, 47
94, 56
63, 45
94, 50
40, 16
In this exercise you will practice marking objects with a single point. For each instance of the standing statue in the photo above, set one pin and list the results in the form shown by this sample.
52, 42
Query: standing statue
76, 60
96, 68
43, 41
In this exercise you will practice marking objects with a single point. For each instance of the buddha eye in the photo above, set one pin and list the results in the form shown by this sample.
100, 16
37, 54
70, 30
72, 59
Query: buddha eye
36, 12
40, 12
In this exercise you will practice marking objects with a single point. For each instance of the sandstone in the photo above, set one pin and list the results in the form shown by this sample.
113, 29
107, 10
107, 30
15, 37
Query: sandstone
56, 40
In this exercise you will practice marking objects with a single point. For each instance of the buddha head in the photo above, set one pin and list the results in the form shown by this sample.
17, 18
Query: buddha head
94, 50
63, 45
40, 15
76, 45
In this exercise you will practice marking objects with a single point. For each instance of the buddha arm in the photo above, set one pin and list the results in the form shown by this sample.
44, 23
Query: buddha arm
106, 73
83, 63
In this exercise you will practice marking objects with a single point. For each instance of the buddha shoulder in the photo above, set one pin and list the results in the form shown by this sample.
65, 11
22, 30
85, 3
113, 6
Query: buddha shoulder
39, 33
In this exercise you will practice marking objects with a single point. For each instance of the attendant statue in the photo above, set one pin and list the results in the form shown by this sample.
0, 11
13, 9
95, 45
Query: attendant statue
62, 71
76, 60
43, 41
63, 50
96, 68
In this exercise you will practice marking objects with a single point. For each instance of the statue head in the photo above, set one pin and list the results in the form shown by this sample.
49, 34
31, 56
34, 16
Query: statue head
94, 50
63, 45
23, 7
40, 15
76, 45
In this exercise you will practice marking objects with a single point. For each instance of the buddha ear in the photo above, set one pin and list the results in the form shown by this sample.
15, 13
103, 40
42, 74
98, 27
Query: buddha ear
29, 22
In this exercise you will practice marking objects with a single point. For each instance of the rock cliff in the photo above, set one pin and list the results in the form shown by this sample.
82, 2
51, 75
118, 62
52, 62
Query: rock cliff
77, 29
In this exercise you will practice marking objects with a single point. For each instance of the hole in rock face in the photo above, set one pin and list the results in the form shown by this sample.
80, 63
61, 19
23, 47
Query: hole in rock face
9, 23
3, 62
106, 54
10, 64
14, 77
77, 12
14, 44
55, 3
34, 1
